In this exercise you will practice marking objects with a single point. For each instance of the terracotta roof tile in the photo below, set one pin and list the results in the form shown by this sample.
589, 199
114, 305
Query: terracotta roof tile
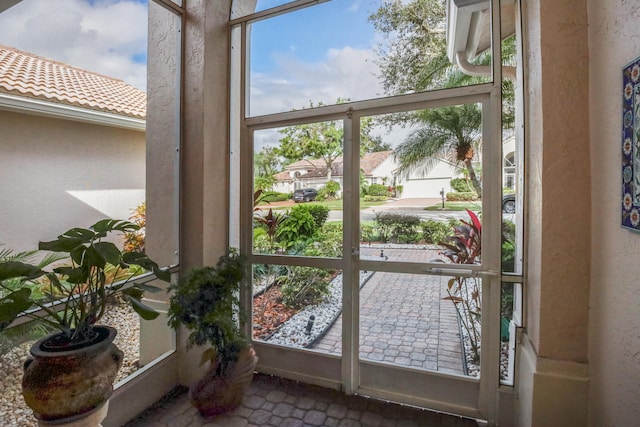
27, 75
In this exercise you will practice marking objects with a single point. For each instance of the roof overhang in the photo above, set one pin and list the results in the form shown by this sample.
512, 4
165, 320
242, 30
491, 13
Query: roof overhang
469, 27
6, 4
68, 112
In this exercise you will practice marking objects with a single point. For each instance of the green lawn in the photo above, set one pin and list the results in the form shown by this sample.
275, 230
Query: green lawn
455, 206
336, 205
333, 205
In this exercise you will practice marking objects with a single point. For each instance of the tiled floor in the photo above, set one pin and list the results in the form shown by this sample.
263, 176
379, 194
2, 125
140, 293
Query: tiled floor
282, 403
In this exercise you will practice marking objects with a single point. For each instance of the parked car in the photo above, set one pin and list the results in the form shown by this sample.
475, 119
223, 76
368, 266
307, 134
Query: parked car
509, 203
304, 195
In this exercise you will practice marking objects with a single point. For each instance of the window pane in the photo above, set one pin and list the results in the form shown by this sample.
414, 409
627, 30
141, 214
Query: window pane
337, 51
298, 180
425, 322
297, 307
417, 187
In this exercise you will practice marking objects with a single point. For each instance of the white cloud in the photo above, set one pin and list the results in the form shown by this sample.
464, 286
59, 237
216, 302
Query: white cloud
344, 73
103, 37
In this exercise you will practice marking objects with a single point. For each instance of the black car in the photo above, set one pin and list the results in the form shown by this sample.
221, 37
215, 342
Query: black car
509, 203
304, 195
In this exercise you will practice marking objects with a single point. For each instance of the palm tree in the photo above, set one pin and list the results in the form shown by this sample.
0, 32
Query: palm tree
449, 132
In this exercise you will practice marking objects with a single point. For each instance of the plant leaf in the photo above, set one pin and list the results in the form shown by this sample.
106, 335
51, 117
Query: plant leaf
148, 288
107, 225
14, 304
109, 252
68, 241
143, 310
13, 269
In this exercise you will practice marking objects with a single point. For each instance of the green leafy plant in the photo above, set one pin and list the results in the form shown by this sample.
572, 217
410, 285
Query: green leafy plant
462, 197
394, 226
461, 185
206, 302
298, 226
83, 288
434, 231
378, 190
465, 247
303, 286
329, 190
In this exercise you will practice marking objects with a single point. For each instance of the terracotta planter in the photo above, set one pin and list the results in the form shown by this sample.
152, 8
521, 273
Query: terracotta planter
63, 385
214, 394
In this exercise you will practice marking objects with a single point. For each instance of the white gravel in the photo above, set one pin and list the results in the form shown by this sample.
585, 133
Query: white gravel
293, 333
15, 413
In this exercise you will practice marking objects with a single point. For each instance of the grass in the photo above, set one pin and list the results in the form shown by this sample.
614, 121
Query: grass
333, 205
455, 206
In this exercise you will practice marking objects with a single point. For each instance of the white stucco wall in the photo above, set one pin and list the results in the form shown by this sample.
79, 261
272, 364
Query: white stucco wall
59, 174
429, 185
614, 339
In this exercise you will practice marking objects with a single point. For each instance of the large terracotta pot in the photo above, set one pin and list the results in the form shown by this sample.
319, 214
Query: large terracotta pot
216, 394
63, 385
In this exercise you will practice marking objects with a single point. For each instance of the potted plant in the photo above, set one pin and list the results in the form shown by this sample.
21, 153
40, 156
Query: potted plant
71, 372
206, 302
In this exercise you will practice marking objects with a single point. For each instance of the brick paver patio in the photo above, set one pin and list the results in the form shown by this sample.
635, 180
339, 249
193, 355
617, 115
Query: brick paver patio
404, 320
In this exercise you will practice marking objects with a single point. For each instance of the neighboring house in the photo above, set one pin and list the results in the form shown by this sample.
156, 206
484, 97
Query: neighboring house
72, 148
378, 168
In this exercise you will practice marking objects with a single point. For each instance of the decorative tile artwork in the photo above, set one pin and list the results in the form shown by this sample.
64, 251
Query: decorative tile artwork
631, 146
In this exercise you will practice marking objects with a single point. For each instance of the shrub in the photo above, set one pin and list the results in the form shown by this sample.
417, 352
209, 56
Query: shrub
378, 190
329, 190
368, 198
274, 196
367, 233
461, 185
465, 247
462, 197
303, 286
435, 231
320, 213
299, 225
392, 225
327, 242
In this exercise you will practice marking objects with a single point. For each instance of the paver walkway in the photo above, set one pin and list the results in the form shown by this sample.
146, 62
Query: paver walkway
404, 320
283, 403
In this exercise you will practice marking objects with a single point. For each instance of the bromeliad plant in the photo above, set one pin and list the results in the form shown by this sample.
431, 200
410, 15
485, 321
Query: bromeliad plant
83, 289
465, 247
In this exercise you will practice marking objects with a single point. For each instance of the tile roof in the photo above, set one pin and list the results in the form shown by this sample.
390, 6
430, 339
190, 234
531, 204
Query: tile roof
316, 168
26, 75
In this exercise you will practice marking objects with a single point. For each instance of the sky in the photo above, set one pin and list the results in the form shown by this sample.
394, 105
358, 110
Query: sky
105, 36
298, 56
316, 54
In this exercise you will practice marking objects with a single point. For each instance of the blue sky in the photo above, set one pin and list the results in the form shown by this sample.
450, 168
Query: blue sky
309, 33
314, 54
105, 36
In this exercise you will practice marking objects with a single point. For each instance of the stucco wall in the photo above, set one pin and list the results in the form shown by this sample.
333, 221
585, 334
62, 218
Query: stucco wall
614, 342
58, 174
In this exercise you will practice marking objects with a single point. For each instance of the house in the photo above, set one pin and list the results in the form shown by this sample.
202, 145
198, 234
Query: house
72, 148
578, 347
377, 168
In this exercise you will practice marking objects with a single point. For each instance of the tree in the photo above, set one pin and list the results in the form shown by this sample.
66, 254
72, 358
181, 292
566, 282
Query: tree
265, 165
451, 132
413, 58
323, 140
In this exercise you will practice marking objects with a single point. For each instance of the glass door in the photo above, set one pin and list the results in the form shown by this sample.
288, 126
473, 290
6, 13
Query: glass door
361, 282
